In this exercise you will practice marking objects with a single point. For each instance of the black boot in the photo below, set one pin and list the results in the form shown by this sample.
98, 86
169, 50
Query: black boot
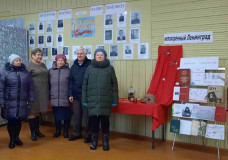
38, 133
32, 126
105, 140
11, 131
58, 129
66, 128
88, 138
93, 146
17, 132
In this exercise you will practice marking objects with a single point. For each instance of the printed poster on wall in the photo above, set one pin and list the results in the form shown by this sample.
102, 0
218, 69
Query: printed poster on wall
115, 8
83, 27
96, 10
189, 37
48, 16
65, 14
143, 51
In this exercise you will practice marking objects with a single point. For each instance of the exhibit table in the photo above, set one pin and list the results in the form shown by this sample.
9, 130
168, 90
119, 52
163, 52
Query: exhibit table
157, 111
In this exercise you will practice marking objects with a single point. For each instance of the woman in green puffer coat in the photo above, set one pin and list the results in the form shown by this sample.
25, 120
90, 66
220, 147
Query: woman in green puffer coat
100, 94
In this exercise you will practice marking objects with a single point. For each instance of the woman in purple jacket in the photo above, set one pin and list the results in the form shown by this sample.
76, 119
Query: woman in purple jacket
58, 79
16, 92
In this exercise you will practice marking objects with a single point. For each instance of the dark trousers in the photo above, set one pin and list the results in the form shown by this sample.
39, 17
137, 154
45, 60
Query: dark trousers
79, 110
95, 121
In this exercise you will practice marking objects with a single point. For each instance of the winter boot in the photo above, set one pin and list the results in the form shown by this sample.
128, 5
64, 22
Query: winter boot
93, 146
66, 128
58, 129
105, 140
88, 138
11, 131
17, 132
37, 129
32, 128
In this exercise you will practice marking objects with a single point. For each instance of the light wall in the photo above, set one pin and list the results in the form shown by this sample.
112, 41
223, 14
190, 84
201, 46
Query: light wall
158, 18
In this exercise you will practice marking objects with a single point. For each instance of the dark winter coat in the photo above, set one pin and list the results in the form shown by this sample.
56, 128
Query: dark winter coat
76, 78
58, 82
16, 90
100, 88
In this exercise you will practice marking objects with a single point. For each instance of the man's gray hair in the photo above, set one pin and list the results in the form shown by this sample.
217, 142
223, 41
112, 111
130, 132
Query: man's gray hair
82, 49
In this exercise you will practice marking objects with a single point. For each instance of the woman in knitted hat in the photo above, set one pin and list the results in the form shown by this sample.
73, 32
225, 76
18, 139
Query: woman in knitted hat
100, 94
39, 74
58, 79
16, 92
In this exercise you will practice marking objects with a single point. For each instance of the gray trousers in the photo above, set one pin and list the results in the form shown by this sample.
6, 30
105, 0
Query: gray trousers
79, 110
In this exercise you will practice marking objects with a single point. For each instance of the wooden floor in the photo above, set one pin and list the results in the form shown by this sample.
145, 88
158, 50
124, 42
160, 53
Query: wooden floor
123, 147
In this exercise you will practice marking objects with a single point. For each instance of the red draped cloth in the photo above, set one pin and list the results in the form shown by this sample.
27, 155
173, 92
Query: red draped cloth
162, 83
166, 74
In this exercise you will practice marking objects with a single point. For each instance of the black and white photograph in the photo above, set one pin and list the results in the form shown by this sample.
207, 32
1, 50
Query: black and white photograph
143, 50
32, 28
108, 21
88, 49
66, 51
45, 53
54, 52
121, 35
128, 51
40, 41
121, 19
135, 19
49, 27
74, 52
32, 41
108, 36
100, 47
49, 40
60, 25
40, 27
187, 111
59, 39
114, 51
134, 35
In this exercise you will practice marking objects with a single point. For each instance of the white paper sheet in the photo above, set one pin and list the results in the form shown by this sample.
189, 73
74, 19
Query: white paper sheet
88, 51
115, 8
215, 131
128, 51
65, 14
198, 95
60, 25
121, 19
134, 35
49, 27
49, 40
96, 10
59, 39
65, 50
143, 51
40, 27
198, 77
176, 93
32, 41
185, 127
32, 28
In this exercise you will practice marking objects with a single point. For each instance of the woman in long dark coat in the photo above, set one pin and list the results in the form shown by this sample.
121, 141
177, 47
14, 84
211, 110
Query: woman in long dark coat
100, 94
39, 74
16, 92
58, 82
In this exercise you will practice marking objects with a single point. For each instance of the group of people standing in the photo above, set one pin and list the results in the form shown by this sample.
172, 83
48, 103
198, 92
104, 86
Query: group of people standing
90, 85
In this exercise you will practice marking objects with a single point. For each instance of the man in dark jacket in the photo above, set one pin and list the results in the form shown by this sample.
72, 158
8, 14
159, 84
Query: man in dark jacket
75, 92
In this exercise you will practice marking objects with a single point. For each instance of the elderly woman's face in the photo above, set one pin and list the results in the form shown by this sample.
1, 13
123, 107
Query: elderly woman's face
37, 57
60, 62
100, 56
17, 62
